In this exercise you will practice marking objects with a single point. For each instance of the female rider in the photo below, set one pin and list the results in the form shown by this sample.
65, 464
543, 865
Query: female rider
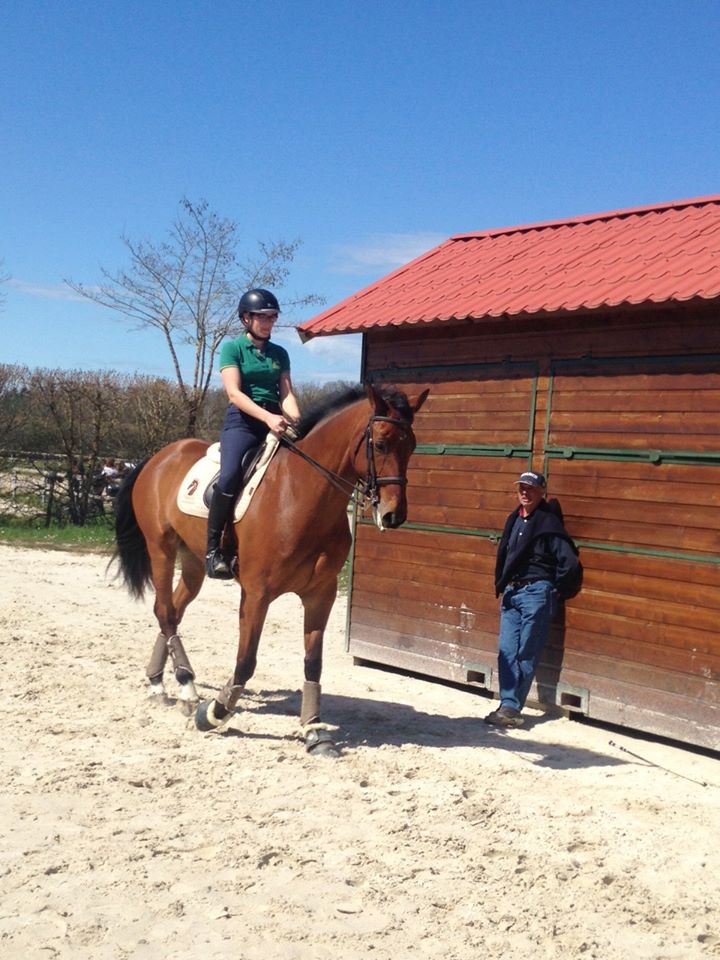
256, 377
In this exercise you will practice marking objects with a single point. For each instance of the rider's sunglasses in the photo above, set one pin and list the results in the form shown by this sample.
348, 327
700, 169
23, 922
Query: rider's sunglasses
265, 316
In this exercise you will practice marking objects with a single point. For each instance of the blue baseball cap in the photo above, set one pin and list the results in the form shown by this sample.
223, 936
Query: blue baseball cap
532, 479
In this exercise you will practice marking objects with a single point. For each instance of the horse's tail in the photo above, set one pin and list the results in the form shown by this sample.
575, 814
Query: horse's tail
131, 551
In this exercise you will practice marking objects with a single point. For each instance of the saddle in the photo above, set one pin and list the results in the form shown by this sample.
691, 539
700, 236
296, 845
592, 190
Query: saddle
195, 491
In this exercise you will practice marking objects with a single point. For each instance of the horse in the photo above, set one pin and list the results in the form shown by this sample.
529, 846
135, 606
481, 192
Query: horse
293, 538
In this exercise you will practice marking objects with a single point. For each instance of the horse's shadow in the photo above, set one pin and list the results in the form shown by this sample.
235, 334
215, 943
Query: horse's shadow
374, 723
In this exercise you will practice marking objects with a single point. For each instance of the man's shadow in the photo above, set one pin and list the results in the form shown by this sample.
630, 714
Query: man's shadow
549, 690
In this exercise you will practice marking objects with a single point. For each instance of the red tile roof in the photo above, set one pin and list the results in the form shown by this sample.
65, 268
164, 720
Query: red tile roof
657, 254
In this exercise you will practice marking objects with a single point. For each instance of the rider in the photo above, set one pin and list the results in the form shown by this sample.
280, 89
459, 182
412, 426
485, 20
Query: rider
256, 377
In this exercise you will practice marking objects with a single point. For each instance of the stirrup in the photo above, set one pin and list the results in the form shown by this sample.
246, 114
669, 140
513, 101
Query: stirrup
219, 567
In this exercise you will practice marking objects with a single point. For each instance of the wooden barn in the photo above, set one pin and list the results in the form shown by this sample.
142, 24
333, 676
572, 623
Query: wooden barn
588, 349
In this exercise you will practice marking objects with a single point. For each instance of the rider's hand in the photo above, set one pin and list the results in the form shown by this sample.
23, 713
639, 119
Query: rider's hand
276, 423
292, 428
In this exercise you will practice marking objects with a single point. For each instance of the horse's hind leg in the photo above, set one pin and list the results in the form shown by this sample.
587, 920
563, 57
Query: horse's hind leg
192, 574
169, 609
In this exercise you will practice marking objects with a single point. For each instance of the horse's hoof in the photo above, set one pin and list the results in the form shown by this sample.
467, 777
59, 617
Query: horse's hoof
187, 707
158, 699
156, 694
201, 716
320, 744
205, 719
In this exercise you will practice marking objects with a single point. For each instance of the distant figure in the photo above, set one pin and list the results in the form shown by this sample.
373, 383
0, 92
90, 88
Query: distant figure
76, 475
537, 563
111, 477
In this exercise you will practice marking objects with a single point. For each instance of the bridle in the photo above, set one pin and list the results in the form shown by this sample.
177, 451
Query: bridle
373, 482
367, 493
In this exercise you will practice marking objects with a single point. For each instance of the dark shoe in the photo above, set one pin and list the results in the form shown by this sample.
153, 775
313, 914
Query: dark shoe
218, 564
218, 567
504, 717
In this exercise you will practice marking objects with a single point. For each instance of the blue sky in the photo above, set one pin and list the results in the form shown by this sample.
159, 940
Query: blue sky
371, 130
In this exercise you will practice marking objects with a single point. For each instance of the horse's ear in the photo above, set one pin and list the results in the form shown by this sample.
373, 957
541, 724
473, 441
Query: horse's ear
417, 402
377, 401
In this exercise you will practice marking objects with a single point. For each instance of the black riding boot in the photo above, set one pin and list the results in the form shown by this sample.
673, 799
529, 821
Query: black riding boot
217, 564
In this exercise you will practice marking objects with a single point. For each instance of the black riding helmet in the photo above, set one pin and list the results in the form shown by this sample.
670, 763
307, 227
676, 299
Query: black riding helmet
258, 301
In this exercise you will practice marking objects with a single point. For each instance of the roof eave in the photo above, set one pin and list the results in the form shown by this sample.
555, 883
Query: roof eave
541, 315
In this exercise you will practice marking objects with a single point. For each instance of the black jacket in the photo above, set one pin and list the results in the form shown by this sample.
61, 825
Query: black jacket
545, 545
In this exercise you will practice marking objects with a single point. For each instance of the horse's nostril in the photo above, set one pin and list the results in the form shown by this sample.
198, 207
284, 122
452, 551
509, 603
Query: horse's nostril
393, 520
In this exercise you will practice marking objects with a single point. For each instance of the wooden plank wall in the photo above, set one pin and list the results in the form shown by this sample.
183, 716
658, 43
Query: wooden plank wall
629, 443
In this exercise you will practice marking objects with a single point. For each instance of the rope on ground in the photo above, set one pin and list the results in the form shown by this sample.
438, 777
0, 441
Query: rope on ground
652, 763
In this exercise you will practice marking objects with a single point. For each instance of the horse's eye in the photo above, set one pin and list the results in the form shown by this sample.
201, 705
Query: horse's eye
380, 446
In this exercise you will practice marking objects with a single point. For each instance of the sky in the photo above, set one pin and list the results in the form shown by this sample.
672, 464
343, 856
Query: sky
370, 130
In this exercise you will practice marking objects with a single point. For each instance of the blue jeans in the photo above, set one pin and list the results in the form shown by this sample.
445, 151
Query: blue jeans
240, 432
525, 617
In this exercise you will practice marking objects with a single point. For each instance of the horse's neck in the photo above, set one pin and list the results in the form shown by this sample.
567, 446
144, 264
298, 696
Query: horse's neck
333, 441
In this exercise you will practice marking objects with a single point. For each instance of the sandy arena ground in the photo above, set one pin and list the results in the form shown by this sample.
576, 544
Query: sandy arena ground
126, 833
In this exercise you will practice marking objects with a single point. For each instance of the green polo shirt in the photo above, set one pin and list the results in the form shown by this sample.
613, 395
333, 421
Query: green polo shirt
259, 369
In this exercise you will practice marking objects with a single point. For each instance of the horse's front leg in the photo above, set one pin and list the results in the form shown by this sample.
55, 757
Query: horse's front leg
317, 605
214, 714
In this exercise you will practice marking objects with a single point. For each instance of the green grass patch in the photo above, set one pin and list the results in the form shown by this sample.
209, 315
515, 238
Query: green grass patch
95, 537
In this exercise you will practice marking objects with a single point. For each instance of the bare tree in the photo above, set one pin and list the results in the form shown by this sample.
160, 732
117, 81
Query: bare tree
187, 288
154, 413
81, 409
13, 402
311, 393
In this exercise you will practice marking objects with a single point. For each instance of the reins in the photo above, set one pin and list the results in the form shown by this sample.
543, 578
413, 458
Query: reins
343, 485
369, 493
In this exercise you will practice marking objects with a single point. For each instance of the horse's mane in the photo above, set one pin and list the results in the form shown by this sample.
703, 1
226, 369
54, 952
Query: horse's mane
326, 405
343, 398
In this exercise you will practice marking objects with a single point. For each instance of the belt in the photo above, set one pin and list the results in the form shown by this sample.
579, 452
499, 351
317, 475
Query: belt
269, 405
519, 584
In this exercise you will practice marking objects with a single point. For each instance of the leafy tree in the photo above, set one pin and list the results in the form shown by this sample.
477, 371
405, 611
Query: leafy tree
187, 288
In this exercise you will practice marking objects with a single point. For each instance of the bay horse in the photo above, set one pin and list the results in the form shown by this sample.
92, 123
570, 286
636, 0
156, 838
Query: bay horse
293, 538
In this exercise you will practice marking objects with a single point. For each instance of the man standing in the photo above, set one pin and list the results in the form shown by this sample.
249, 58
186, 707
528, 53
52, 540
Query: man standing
537, 562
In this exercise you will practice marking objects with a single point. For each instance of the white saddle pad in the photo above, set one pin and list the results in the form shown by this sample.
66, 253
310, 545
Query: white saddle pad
191, 492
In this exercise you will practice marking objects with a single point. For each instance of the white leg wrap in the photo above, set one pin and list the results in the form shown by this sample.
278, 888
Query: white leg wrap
187, 693
156, 689
306, 728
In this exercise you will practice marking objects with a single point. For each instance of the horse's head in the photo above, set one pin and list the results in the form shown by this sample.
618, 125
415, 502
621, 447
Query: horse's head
389, 442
